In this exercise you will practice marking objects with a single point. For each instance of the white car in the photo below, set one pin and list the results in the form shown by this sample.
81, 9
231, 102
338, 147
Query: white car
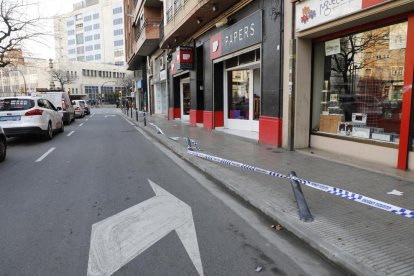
79, 106
3, 145
29, 115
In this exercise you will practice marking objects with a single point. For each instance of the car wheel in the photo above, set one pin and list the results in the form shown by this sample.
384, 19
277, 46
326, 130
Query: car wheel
3, 149
49, 132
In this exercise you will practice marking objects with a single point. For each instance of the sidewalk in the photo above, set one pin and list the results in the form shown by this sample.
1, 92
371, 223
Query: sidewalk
365, 240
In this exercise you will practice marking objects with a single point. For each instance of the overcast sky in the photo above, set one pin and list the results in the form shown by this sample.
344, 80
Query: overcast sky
46, 9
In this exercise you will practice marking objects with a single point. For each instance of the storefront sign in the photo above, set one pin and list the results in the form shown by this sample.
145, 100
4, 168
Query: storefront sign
244, 33
185, 58
311, 13
163, 74
332, 47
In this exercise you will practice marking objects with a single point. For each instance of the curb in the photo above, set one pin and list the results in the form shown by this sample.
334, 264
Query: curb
328, 250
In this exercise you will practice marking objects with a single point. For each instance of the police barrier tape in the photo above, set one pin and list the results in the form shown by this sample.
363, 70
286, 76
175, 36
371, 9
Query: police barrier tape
322, 187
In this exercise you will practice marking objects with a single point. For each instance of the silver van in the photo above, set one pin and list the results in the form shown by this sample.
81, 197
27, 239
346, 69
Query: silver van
61, 101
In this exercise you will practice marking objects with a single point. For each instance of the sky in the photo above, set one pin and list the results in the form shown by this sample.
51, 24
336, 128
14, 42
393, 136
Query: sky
46, 9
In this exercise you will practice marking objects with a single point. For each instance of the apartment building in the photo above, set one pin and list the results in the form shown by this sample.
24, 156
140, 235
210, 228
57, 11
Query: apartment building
92, 32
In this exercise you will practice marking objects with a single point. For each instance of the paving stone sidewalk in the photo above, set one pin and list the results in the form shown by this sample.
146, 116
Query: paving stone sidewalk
365, 240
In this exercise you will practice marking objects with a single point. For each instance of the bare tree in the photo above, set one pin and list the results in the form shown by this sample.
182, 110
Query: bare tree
127, 82
15, 28
347, 61
63, 77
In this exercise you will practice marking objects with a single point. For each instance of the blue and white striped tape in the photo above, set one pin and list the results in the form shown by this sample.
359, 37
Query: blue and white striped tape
322, 187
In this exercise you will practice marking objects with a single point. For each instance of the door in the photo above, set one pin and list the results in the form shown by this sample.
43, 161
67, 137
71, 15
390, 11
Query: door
242, 98
185, 97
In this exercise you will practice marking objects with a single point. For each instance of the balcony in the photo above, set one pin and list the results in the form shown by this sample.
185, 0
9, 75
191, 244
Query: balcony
147, 37
185, 17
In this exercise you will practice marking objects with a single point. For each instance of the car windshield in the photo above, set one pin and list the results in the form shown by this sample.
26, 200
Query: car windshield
16, 104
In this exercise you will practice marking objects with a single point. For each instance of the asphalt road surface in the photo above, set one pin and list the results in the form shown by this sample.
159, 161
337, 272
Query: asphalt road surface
102, 198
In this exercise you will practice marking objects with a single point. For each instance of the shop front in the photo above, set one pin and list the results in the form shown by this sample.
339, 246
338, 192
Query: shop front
236, 51
361, 55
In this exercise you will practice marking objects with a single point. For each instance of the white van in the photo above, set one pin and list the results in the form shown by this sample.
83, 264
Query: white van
61, 101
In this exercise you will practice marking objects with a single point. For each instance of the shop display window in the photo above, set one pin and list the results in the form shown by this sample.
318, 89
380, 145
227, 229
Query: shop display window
358, 83
238, 94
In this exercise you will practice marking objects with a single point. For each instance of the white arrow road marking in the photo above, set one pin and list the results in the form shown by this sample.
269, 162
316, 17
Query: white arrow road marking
44, 155
117, 240
70, 133
106, 116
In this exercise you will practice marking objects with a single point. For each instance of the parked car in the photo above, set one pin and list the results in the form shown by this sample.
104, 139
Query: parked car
27, 115
3, 145
87, 109
61, 101
79, 106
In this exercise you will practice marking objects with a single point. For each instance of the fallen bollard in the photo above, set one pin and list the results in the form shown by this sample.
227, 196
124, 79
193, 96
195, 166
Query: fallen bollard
304, 212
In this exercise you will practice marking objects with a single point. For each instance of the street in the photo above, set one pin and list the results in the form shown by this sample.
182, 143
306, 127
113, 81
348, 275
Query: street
103, 199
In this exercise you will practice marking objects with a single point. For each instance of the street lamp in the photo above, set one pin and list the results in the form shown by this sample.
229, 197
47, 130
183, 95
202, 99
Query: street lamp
52, 83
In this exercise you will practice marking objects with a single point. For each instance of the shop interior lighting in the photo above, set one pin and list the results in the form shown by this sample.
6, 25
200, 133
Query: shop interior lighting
199, 20
214, 8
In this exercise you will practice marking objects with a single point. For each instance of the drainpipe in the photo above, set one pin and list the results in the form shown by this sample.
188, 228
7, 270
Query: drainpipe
291, 92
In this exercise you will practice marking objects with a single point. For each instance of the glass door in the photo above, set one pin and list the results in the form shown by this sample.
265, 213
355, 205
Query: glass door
185, 99
242, 102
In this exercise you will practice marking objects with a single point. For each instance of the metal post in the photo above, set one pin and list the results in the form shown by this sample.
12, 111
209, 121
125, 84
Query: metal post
145, 119
304, 212
136, 114
131, 112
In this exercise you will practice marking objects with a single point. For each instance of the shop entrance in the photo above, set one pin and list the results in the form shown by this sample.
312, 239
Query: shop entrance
185, 97
242, 98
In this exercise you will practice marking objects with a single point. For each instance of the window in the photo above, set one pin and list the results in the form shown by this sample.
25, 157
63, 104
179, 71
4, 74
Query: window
80, 50
118, 43
98, 57
72, 51
87, 18
70, 23
96, 26
88, 28
71, 32
71, 41
89, 48
118, 32
117, 10
117, 21
96, 36
80, 58
356, 93
119, 53
79, 39
95, 15
79, 26
97, 46
78, 16
119, 63
88, 38
89, 58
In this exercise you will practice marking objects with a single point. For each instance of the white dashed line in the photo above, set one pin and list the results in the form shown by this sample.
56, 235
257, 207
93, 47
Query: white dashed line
70, 133
81, 125
44, 155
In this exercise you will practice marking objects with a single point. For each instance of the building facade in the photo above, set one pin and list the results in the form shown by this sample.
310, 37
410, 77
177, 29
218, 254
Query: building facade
92, 32
354, 72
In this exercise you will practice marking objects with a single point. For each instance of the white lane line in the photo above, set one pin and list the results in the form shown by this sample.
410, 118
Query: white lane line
132, 124
86, 119
70, 133
44, 155
81, 125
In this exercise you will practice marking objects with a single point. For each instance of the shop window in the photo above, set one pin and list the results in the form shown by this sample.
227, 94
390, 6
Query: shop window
357, 84
248, 57
238, 94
